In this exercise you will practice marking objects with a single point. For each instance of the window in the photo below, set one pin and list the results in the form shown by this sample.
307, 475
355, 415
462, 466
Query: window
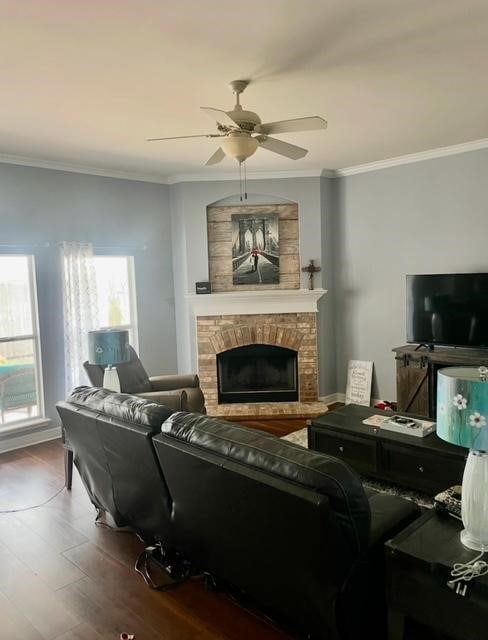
21, 396
116, 294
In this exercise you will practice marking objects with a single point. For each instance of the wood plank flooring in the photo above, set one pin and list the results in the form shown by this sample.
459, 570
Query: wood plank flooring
64, 578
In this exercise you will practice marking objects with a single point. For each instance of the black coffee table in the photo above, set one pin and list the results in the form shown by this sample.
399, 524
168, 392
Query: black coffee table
424, 464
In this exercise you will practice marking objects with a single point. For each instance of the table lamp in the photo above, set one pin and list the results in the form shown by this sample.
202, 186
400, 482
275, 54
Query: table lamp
109, 347
462, 419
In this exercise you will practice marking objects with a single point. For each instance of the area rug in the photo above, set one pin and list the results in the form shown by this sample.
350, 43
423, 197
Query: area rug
301, 438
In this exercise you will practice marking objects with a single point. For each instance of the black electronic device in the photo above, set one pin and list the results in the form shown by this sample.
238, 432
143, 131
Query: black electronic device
404, 422
449, 501
448, 309
203, 287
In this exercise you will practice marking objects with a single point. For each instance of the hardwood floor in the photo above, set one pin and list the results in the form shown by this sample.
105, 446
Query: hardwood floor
64, 578
278, 427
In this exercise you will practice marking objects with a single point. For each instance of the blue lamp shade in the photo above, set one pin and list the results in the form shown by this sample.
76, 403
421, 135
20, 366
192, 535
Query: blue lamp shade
108, 347
462, 407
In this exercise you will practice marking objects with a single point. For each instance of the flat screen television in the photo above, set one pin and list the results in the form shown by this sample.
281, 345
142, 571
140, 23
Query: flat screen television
448, 309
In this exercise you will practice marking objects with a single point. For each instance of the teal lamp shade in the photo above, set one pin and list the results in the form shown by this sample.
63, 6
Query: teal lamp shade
462, 418
108, 347
462, 407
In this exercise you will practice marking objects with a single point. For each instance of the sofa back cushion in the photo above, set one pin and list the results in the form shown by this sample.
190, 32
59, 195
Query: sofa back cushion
121, 405
323, 474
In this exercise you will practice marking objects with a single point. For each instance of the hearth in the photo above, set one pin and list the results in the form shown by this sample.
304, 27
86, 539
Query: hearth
257, 373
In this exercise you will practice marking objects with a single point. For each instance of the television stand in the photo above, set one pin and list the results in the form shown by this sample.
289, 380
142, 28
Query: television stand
416, 373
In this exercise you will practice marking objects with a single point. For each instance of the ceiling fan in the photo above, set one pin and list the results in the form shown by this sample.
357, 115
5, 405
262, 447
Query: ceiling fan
242, 131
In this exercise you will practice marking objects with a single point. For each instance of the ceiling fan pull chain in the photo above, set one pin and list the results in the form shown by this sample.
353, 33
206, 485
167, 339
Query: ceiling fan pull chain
245, 180
240, 181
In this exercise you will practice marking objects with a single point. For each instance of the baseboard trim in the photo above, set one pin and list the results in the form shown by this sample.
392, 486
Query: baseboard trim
333, 397
341, 397
28, 439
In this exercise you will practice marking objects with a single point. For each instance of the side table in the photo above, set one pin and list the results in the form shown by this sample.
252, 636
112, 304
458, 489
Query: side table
418, 565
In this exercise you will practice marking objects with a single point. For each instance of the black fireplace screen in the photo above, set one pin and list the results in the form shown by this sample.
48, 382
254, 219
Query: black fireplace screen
258, 373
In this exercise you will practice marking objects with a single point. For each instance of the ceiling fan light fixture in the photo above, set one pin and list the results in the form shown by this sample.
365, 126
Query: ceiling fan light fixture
239, 146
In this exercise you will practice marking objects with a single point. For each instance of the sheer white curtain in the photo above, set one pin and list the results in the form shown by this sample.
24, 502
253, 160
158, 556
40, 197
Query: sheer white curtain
80, 308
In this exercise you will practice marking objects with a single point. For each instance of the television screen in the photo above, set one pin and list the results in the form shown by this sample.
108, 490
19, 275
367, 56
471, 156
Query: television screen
448, 309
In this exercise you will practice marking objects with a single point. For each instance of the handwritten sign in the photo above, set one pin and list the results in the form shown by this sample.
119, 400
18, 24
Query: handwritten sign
359, 376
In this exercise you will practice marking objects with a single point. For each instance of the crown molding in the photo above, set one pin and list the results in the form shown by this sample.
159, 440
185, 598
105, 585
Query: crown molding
43, 163
329, 173
251, 175
431, 154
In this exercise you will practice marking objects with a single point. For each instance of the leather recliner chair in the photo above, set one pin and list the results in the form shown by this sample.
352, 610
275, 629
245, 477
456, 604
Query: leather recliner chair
180, 392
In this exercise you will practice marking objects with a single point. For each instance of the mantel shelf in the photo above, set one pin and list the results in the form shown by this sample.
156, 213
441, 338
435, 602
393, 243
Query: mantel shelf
255, 302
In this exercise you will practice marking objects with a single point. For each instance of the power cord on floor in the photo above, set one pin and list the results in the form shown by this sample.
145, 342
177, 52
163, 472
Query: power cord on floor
35, 506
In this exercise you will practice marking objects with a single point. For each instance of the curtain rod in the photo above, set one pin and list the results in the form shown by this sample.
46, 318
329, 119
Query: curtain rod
111, 247
47, 245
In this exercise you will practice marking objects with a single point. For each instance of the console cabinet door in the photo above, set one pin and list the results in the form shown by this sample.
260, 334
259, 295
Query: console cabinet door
413, 386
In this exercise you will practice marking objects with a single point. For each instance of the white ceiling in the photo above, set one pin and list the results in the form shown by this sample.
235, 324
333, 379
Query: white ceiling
86, 82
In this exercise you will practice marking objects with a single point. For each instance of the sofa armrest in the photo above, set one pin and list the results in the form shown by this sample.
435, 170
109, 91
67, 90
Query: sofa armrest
167, 383
176, 400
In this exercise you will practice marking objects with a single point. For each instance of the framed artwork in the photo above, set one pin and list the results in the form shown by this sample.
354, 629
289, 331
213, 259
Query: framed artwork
255, 248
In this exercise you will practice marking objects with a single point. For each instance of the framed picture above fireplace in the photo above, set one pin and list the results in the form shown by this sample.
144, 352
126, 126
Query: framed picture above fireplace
255, 248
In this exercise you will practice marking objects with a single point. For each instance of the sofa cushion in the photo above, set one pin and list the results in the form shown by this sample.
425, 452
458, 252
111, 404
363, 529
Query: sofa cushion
121, 405
326, 475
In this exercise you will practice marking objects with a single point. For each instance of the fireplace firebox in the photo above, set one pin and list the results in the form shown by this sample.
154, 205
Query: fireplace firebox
257, 373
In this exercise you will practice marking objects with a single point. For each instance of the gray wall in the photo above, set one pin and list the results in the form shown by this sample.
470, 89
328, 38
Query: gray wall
426, 217
40, 207
189, 203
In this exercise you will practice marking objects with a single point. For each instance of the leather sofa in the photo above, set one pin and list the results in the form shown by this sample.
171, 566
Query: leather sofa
180, 392
292, 530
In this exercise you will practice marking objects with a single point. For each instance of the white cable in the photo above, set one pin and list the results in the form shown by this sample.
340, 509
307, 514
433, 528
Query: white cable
466, 571
35, 506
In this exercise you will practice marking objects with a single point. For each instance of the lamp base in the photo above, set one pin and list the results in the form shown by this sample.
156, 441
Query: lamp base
474, 501
111, 379
472, 543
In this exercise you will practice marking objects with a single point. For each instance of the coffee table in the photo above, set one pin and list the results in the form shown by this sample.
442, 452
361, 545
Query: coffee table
425, 464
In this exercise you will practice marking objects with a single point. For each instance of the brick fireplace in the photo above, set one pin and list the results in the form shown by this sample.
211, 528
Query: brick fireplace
224, 330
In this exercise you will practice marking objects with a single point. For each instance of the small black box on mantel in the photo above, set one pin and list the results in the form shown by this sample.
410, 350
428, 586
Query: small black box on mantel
203, 287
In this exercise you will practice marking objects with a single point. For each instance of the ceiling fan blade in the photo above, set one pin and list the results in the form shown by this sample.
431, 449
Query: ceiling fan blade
217, 157
283, 148
199, 135
220, 116
297, 124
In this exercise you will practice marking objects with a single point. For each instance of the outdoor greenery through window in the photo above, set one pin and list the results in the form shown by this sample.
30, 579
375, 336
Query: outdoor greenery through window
116, 294
20, 380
